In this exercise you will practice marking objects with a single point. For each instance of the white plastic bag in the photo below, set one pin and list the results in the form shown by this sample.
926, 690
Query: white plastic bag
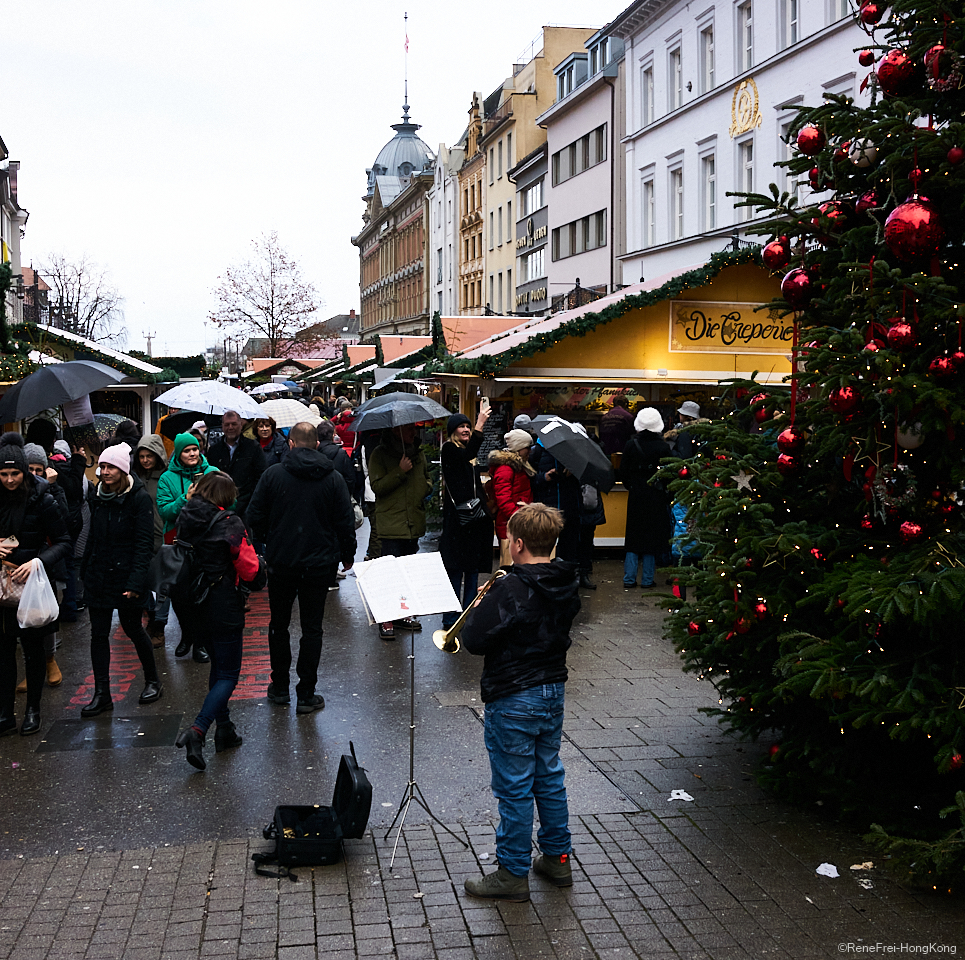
38, 603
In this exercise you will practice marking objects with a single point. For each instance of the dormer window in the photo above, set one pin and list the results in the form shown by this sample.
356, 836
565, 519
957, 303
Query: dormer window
405, 169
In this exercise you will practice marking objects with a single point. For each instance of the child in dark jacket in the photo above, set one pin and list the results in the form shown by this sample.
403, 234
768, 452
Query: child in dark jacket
522, 628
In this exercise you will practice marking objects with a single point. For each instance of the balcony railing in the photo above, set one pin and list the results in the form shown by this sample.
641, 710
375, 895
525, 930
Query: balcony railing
498, 116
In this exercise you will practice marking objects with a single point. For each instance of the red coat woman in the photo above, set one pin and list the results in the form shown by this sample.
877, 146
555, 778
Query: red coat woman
510, 471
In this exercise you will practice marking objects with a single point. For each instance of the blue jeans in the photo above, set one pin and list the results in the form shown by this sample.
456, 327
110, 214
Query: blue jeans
523, 735
225, 652
648, 568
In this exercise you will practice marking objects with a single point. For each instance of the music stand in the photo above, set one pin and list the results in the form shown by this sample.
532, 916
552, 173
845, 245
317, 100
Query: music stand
413, 793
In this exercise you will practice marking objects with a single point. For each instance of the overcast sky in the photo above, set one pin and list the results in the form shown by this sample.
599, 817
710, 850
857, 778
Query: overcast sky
161, 138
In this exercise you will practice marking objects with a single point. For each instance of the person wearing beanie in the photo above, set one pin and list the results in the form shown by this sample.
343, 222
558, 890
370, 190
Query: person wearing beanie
150, 462
71, 467
343, 425
466, 545
120, 546
28, 512
511, 473
648, 507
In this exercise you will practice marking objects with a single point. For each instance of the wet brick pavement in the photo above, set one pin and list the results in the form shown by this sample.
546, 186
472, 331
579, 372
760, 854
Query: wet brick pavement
108, 851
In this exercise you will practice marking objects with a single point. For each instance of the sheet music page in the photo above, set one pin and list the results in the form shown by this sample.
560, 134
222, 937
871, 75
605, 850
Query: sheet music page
429, 584
397, 587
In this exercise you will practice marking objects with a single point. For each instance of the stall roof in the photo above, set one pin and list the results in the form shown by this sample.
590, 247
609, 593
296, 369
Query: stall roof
464, 332
97, 351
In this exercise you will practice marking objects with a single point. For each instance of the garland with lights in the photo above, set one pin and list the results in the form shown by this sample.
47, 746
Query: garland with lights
15, 362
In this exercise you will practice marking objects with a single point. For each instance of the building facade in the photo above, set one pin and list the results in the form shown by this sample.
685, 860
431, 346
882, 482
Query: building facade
711, 94
393, 242
442, 215
472, 181
13, 218
585, 184
532, 233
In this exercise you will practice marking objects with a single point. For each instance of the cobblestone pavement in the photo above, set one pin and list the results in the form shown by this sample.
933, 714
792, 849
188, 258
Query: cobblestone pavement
728, 874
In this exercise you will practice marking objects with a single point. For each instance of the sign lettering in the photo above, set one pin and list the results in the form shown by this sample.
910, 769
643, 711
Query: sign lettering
697, 327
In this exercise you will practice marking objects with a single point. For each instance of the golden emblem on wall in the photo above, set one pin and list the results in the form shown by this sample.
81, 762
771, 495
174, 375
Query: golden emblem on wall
744, 114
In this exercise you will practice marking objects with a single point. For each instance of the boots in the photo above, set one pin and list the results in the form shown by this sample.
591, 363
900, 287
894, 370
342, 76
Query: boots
155, 630
225, 737
152, 691
499, 885
101, 702
22, 686
54, 676
31, 721
556, 869
7, 725
193, 742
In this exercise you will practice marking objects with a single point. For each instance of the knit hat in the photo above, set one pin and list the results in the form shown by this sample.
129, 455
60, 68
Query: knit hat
517, 440
11, 452
648, 419
35, 453
456, 420
62, 447
522, 421
118, 455
689, 409
200, 426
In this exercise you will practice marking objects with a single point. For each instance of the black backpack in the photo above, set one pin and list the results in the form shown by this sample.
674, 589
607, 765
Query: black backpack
175, 572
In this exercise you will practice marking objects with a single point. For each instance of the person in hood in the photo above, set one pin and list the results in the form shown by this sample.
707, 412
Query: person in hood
521, 627
227, 560
32, 527
301, 510
120, 546
150, 462
185, 468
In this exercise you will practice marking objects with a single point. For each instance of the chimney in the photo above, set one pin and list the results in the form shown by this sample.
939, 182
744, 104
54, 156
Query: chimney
351, 313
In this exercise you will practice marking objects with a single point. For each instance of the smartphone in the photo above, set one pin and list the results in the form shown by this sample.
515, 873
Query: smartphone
484, 403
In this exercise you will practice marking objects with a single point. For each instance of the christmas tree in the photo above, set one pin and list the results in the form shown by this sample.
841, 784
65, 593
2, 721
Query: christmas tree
829, 604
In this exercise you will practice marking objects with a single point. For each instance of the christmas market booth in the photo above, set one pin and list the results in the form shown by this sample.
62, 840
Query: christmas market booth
659, 343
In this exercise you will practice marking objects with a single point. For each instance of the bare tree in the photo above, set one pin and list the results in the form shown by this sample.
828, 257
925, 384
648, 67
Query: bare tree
83, 299
266, 298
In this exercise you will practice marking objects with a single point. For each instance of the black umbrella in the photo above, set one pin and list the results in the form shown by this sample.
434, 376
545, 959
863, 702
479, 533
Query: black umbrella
583, 457
53, 385
396, 409
176, 423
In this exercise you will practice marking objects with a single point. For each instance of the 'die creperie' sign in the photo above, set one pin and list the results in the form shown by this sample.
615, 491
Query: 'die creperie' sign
708, 327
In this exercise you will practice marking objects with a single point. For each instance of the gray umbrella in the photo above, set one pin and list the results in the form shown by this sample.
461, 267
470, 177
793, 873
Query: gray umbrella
53, 385
396, 409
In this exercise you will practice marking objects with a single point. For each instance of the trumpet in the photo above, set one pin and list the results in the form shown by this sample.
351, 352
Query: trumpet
448, 640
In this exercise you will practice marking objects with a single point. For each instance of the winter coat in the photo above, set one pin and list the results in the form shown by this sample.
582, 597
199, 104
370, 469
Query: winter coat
511, 485
616, 429
341, 462
302, 511
227, 559
32, 514
275, 450
682, 442
522, 628
648, 506
343, 427
70, 479
684, 543
150, 478
120, 545
466, 548
400, 507
172, 487
561, 490
245, 467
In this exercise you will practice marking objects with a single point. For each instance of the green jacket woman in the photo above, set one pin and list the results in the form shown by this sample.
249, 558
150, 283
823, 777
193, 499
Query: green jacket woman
187, 465
399, 494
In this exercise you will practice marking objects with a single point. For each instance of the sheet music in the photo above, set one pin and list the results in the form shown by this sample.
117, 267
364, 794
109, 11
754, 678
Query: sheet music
397, 587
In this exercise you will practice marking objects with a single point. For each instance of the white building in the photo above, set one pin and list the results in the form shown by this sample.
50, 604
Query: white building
442, 216
711, 90
12, 221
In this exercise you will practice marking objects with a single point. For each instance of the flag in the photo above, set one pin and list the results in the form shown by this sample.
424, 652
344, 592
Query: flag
407, 42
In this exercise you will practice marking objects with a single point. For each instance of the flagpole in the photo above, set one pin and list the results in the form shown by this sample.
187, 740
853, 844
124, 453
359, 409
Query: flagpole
406, 18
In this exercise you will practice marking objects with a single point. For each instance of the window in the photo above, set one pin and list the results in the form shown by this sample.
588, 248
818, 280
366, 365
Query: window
532, 266
492, 232
745, 37
499, 232
499, 166
566, 82
531, 199
708, 165
510, 231
581, 235
745, 174
439, 273
675, 80
791, 183
499, 295
707, 59
789, 23
676, 204
649, 215
492, 166
646, 96
471, 193
492, 298
509, 150
839, 10
580, 155
510, 291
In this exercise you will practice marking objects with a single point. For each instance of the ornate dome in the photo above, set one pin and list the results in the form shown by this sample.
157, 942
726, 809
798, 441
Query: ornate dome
403, 155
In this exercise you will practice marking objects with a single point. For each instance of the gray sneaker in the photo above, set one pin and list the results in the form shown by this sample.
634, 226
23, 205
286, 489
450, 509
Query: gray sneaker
499, 885
557, 870
278, 696
309, 705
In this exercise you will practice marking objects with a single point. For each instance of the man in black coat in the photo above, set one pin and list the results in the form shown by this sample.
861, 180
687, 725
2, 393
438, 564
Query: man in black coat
302, 511
240, 457
336, 453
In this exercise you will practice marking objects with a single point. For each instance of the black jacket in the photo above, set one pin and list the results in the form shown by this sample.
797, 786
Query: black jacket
302, 511
340, 460
245, 467
120, 546
522, 628
464, 548
70, 478
33, 515
276, 451
648, 506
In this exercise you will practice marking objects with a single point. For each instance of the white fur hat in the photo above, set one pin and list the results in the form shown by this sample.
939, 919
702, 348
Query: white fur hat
648, 419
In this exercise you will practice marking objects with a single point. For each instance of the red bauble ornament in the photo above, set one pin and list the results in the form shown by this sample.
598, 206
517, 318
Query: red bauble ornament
797, 289
817, 554
956, 762
867, 523
774, 750
958, 358
791, 440
901, 335
911, 531
844, 400
811, 140
941, 367
683, 472
866, 58
872, 346
914, 229
955, 156
742, 625
836, 212
869, 15
694, 628
776, 255
760, 610
867, 201
897, 73
787, 465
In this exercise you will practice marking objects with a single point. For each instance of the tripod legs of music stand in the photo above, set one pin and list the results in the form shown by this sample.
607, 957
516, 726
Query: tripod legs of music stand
412, 792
